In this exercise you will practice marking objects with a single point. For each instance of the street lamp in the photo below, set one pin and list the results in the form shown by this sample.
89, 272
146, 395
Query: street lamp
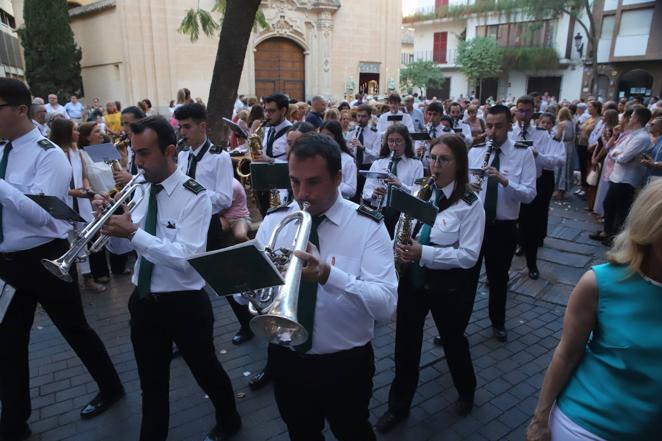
579, 44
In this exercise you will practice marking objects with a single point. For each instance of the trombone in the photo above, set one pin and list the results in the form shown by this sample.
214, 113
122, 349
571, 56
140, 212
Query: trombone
60, 267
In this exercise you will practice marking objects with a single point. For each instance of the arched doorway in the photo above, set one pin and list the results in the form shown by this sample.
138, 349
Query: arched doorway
280, 68
636, 83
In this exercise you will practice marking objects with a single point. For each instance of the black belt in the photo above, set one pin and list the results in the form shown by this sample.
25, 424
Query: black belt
161, 297
340, 355
12, 255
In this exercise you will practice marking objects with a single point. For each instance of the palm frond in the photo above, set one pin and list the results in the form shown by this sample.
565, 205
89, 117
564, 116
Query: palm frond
190, 26
260, 21
220, 6
207, 22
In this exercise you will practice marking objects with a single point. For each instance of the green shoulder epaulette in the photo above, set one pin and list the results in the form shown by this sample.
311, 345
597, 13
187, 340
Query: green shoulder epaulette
45, 144
375, 215
215, 149
469, 197
193, 186
280, 207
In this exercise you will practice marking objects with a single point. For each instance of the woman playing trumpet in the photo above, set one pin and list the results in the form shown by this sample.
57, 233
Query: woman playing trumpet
435, 269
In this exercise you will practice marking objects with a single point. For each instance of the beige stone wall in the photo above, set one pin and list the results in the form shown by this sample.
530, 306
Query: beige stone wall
148, 58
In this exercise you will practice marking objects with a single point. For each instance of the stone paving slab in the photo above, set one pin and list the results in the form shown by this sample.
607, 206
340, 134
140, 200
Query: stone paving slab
509, 375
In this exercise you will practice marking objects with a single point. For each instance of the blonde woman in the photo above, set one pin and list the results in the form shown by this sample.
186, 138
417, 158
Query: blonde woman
565, 133
332, 115
605, 381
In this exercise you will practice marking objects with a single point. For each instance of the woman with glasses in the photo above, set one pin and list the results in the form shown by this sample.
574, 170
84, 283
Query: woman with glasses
397, 158
434, 277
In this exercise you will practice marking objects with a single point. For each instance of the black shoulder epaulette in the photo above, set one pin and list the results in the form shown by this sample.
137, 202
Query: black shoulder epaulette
469, 197
45, 144
522, 144
193, 186
540, 128
215, 149
482, 144
375, 215
278, 208
420, 181
373, 128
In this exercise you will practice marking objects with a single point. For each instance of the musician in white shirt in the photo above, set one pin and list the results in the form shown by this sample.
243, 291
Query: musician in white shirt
394, 115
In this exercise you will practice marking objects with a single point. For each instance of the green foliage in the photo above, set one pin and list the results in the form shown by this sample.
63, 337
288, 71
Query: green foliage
421, 74
52, 59
530, 58
199, 19
480, 58
462, 10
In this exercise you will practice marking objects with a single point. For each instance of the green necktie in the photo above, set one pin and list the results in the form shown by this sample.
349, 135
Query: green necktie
492, 193
417, 272
308, 295
3, 170
146, 267
394, 165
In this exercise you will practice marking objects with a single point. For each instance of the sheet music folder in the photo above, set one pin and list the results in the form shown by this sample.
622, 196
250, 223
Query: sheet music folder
56, 208
236, 128
418, 209
102, 152
237, 268
270, 176
420, 136
374, 174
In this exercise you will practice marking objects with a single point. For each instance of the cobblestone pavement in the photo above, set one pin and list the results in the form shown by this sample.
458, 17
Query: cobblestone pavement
509, 375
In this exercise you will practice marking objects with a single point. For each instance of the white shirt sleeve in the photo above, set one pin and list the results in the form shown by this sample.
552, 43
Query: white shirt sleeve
221, 194
524, 191
550, 153
348, 184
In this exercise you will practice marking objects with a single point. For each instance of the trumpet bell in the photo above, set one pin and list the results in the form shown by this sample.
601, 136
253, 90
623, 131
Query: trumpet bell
58, 269
279, 329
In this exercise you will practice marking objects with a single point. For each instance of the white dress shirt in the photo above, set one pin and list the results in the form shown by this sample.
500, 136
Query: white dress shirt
551, 153
348, 184
32, 169
409, 169
518, 166
84, 204
466, 131
596, 133
362, 285
59, 109
181, 231
384, 123
627, 169
456, 236
372, 142
214, 172
434, 132
43, 128
280, 144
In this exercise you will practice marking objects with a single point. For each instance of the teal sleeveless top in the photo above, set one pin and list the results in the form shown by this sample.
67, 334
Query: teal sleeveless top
616, 390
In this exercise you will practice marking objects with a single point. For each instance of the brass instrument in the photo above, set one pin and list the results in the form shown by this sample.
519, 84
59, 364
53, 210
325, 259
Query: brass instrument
403, 231
489, 148
254, 150
122, 146
381, 198
277, 306
61, 266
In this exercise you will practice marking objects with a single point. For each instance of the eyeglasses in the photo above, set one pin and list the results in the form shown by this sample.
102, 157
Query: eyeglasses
440, 159
397, 141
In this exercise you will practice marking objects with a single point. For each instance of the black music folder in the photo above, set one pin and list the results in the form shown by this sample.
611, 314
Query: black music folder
102, 152
238, 268
418, 209
236, 128
394, 118
267, 176
56, 207
420, 136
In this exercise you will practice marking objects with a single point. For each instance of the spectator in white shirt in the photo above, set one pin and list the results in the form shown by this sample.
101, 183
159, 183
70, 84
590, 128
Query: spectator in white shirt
74, 109
54, 107
38, 114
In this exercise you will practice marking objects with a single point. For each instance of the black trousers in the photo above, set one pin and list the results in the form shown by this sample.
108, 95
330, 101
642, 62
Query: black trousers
215, 242
534, 217
498, 249
451, 304
98, 264
582, 155
310, 389
186, 319
617, 205
62, 302
118, 262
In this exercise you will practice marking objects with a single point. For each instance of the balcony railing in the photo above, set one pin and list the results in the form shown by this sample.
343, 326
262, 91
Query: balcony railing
407, 59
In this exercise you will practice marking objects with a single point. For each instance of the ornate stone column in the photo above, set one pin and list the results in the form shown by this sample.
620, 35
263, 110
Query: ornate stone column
325, 48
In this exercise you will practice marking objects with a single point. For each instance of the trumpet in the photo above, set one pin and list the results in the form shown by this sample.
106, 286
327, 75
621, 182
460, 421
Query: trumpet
277, 306
60, 267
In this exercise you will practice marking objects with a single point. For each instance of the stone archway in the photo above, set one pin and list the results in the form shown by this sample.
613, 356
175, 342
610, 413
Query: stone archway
280, 68
635, 83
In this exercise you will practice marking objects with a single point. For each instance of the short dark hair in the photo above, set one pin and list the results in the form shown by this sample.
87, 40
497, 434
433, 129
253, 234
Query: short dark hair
435, 107
302, 126
547, 115
282, 101
15, 92
525, 99
643, 115
164, 131
135, 111
364, 108
453, 104
196, 112
314, 144
500, 108
401, 130
393, 97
